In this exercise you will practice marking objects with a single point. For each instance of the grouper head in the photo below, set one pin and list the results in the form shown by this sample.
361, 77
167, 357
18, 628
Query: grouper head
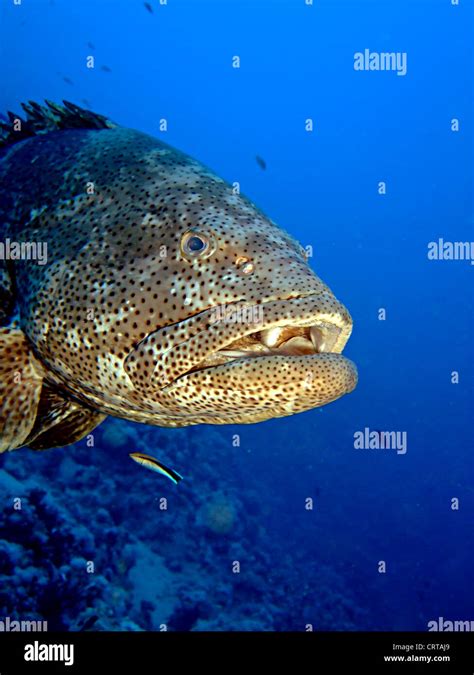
230, 323
168, 298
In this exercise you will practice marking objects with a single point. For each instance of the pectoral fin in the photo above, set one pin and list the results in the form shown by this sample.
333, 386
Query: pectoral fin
60, 421
21, 379
32, 411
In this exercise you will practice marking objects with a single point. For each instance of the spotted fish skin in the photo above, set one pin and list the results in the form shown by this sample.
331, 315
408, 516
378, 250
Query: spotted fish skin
122, 318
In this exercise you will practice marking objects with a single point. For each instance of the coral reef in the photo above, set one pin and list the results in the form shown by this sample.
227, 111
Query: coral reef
90, 541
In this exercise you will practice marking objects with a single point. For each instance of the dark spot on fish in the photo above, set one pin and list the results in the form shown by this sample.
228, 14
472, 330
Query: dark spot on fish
261, 162
106, 69
149, 7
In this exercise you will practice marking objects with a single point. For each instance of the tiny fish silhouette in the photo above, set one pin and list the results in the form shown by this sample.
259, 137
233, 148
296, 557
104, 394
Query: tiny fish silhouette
261, 162
90, 45
106, 69
68, 80
154, 465
149, 7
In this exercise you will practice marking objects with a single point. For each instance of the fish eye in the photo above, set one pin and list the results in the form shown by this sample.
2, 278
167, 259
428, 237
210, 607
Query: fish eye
195, 244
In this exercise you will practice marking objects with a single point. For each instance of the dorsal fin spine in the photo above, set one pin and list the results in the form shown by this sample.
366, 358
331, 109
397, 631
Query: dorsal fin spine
50, 117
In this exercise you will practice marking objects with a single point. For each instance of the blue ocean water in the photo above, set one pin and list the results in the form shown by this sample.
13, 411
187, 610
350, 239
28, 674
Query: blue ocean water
386, 169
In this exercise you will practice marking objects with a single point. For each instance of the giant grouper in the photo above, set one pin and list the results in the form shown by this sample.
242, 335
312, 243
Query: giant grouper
161, 295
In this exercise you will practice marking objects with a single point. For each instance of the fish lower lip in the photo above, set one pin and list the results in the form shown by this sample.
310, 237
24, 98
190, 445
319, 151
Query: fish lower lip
306, 373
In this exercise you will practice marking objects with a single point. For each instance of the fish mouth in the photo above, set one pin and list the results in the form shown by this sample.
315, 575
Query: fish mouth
282, 340
244, 363
307, 332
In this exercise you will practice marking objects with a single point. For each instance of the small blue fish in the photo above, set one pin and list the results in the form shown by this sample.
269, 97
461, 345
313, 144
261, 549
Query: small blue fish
153, 464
